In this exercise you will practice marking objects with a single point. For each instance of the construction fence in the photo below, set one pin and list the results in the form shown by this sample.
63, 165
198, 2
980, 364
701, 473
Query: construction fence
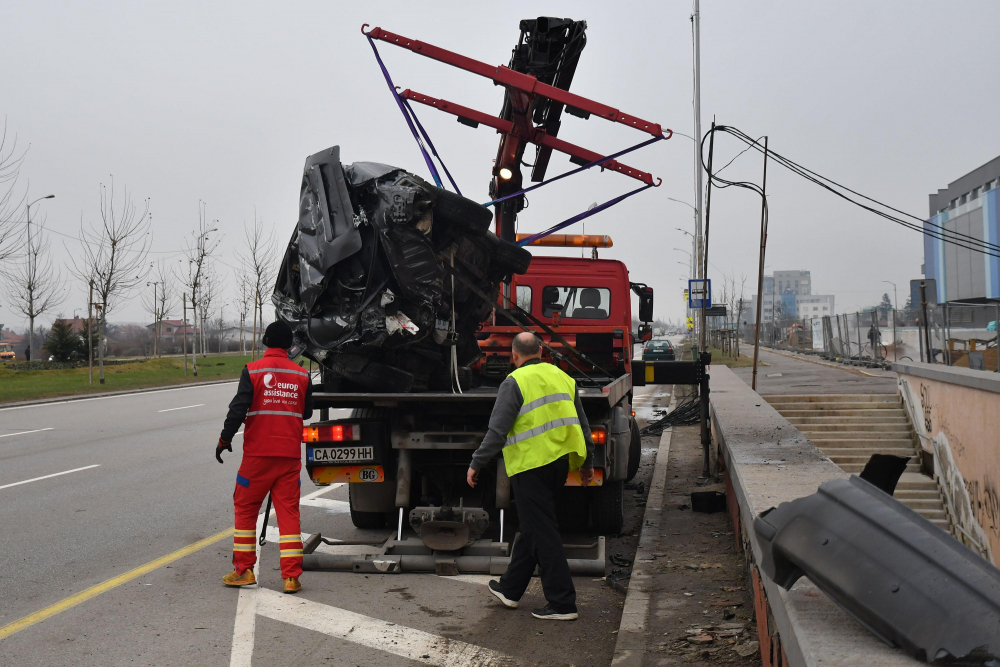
956, 334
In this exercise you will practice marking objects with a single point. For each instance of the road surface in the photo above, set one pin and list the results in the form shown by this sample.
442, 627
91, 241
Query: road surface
118, 522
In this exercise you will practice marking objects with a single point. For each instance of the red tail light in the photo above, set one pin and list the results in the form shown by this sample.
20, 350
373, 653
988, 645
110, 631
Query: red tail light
599, 435
334, 433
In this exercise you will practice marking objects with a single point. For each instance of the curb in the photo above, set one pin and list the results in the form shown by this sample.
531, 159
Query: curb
110, 394
631, 645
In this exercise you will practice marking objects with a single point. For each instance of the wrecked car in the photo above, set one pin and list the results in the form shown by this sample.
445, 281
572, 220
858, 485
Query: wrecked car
368, 285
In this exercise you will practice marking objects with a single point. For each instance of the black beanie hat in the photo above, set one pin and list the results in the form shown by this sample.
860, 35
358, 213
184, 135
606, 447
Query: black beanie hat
278, 334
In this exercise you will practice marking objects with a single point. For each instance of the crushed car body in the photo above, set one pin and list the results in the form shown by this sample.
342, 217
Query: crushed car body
368, 283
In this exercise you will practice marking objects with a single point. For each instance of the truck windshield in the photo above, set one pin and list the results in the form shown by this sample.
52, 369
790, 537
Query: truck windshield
585, 303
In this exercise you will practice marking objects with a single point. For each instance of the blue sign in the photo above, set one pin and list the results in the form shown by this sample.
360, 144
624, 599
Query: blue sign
699, 293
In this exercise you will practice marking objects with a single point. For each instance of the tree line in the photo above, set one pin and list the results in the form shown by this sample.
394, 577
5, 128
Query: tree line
114, 262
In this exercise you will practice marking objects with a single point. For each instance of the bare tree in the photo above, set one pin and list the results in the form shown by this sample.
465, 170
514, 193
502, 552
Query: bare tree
10, 202
244, 302
114, 253
158, 300
259, 258
198, 251
211, 287
33, 286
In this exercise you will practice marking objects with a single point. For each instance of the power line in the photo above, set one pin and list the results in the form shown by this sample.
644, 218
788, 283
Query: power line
937, 232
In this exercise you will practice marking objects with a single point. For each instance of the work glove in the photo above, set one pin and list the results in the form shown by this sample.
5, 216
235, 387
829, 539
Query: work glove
219, 447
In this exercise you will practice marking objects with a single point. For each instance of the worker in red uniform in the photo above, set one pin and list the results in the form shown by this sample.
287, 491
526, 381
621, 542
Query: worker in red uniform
273, 399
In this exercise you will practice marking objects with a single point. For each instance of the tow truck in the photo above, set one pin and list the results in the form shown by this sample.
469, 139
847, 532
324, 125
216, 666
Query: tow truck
404, 455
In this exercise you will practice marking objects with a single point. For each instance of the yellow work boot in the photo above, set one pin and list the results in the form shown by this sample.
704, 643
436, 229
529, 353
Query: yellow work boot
234, 578
292, 585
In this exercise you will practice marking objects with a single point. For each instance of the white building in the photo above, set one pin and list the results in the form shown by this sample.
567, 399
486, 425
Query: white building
814, 305
793, 282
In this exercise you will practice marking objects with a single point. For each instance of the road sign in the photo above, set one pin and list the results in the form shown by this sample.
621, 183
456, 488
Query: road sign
715, 311
700, 294
686, 297
690, 324
931, 289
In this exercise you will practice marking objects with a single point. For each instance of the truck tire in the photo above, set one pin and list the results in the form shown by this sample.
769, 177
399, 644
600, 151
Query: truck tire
461, 214
634, 451
364, 519
607, 508
507, 255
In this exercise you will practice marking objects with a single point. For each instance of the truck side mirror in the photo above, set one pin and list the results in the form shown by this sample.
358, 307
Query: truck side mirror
645, 294
645, 332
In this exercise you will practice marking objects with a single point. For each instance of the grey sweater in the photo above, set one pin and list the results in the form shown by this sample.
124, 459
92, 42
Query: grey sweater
509, 403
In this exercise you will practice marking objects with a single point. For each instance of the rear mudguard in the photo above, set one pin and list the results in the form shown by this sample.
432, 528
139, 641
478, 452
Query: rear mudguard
906, 580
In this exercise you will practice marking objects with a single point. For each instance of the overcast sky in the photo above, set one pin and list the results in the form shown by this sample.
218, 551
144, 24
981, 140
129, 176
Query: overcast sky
188, 101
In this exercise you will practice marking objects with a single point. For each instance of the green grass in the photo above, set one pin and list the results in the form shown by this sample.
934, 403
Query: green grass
28, 385
745, 360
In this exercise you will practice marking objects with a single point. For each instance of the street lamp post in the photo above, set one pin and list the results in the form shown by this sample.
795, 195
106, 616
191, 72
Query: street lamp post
31, 279
895, 307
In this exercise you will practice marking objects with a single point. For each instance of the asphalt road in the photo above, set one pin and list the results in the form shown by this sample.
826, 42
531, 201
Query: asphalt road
142, 489
787, 373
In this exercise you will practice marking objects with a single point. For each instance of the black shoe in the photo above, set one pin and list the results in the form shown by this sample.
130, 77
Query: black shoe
549, 614
494, 587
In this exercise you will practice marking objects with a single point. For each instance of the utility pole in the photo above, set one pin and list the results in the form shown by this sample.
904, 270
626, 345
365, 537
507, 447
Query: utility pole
696, 46
703, 267
90, 335
760, 270
184, 324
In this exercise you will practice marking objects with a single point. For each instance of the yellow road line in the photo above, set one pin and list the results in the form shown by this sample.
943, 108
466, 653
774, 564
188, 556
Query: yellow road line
106, 586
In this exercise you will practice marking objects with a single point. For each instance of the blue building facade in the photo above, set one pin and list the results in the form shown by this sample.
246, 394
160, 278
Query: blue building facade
969, 206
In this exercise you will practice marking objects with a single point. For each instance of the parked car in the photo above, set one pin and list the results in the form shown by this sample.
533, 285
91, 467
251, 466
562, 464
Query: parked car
658, 350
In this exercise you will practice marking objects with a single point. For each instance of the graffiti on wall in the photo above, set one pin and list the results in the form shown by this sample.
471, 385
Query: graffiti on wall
925, 405
971, 504
985, 502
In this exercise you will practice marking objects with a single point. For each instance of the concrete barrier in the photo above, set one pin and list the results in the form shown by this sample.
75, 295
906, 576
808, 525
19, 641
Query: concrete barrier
766, 461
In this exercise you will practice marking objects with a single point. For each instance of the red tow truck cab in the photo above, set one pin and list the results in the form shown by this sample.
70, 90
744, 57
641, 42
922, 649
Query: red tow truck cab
585, 301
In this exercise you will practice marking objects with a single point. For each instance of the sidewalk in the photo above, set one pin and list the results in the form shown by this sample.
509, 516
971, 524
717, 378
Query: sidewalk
688, 602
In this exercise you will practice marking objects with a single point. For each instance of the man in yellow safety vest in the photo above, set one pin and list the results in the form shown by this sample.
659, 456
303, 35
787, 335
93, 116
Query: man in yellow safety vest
539, 423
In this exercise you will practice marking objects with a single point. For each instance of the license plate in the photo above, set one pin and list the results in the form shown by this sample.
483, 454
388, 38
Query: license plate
351, 474
573, 479
341, 454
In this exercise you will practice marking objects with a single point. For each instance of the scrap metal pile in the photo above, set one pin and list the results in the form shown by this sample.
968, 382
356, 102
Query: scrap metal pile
368, 283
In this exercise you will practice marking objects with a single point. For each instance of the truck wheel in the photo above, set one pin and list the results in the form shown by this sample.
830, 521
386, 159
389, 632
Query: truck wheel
508, 255
364, 519
634, 451
607, 508
461, 214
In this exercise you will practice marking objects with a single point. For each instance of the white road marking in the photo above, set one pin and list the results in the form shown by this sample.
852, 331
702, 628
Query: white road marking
245, 625
104, 398
417, 645
183, 407
37, 430
477, 579
331, 506
55, 474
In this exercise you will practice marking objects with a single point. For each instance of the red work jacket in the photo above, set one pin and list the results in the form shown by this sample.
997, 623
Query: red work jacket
274, 420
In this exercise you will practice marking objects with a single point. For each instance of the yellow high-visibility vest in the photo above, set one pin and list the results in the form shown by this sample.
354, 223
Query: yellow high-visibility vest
547, 427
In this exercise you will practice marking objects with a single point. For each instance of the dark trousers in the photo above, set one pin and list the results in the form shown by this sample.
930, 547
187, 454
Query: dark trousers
535, 494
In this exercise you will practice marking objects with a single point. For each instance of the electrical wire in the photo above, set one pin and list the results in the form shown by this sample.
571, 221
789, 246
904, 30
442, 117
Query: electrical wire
932, 230
684, 413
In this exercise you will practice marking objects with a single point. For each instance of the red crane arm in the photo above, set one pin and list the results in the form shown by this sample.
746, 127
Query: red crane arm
535, 136
525, 83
